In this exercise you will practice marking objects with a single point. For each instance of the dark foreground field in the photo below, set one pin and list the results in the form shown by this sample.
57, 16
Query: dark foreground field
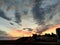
26, 43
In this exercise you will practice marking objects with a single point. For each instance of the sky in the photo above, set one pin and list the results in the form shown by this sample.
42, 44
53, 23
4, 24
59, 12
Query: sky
38, 15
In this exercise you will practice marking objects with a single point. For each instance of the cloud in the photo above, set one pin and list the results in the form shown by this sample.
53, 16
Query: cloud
17, 17
42, 10
10, 6
46, 12
2, 14
28, 29
25, 12
37, 12
4, 36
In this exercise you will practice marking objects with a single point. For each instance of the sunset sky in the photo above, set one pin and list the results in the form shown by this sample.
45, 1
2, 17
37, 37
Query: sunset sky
35, 16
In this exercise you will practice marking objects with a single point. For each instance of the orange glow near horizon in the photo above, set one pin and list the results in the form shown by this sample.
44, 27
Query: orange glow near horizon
52, 29
24, 33
20, 33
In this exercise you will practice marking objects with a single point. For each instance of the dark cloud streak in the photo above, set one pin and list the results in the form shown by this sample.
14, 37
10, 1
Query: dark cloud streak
38, 12
2, 14
43, 14
17, 17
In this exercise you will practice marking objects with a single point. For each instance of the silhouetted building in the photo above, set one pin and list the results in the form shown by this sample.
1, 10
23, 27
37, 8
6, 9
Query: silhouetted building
45, 38
58, 34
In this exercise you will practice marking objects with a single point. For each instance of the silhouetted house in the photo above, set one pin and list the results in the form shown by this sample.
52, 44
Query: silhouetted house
58, 34
36, 37
53, 35
47, 35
